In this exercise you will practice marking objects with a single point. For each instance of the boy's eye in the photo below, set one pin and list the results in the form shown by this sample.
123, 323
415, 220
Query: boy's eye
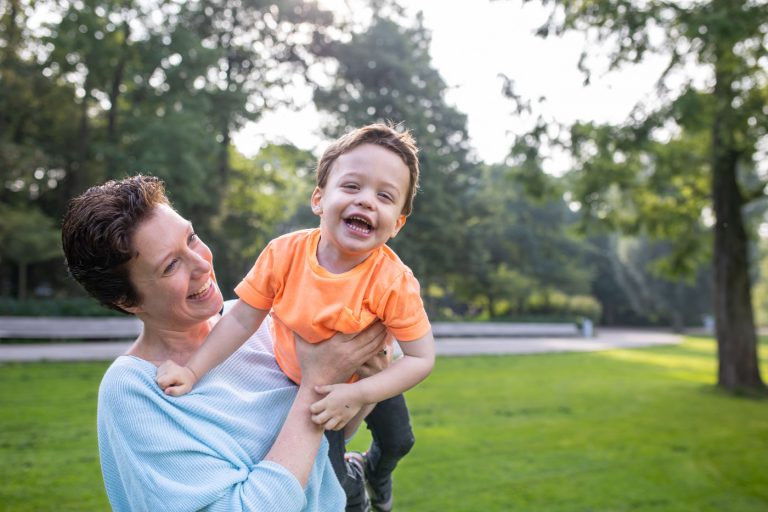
386, 196
351, 186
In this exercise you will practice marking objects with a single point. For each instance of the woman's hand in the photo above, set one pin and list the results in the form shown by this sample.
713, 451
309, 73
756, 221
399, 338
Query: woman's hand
343, 402
379, 362
337, 358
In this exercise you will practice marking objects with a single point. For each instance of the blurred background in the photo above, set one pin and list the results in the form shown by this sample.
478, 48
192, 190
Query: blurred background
566, 152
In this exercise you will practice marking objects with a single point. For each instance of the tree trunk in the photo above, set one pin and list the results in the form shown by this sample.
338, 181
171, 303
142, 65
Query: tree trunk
76, 179
735, 327
22, 291
491, 307
114, 97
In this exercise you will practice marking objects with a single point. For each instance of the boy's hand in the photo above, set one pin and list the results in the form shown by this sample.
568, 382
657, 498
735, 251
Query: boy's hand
175, 380
341, 403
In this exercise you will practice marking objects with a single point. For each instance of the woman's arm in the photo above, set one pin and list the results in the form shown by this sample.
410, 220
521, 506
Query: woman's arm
331, 361
343, 401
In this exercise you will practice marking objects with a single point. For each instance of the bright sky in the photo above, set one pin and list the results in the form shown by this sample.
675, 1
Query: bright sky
473, 41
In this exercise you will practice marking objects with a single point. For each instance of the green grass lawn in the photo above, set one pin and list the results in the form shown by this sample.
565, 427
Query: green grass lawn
623, 430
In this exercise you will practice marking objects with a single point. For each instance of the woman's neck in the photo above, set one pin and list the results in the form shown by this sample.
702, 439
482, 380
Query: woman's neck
157, 344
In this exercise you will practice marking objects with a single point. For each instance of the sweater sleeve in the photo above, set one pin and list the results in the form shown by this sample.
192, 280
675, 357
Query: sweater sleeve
157, 455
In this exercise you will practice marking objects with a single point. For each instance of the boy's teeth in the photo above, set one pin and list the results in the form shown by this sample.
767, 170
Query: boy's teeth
359, 224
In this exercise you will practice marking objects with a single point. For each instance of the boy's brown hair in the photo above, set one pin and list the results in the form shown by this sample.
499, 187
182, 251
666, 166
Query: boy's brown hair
386, 136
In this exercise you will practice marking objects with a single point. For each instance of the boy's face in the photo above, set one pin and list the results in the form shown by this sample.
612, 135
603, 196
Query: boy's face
361, 205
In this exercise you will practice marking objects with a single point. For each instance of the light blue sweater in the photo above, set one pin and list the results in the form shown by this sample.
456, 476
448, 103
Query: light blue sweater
204, 450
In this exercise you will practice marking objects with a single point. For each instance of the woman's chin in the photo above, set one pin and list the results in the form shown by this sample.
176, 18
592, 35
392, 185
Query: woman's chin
211, 301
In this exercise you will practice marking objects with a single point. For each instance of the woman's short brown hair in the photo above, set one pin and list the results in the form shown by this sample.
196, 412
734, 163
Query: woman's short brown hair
401, 143
97, 236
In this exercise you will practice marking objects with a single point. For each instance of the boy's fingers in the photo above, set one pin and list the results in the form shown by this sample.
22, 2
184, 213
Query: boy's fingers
320, 419
331, 424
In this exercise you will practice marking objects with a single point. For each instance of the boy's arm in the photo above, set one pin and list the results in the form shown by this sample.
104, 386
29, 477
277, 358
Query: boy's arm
343, 401
229, 333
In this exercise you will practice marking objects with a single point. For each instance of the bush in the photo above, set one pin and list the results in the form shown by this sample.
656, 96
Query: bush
558, 304
585, 306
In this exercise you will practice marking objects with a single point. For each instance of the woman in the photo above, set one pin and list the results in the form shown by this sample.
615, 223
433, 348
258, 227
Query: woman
243, 440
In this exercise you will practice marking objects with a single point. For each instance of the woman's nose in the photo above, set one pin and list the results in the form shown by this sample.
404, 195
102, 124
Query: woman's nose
200, 263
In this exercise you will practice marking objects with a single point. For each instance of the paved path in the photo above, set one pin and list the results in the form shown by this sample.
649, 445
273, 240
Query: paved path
454, 346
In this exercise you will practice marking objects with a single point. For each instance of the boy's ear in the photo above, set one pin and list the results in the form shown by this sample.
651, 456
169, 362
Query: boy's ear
399, 225
314, 201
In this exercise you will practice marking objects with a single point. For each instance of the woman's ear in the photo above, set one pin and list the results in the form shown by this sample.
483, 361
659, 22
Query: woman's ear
314, 201
134, 310
399, 225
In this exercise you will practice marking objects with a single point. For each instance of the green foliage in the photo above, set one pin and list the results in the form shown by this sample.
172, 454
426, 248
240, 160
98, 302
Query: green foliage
518, 244
110, 88
630, 290
760, 289
726, 39
658, 189
267, 196
27, 236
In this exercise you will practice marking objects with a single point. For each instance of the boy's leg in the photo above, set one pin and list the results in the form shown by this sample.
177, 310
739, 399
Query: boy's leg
392, 439
350, 475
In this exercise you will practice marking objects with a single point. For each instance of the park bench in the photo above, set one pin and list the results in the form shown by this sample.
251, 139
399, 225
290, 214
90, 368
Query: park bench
84, 328
504, 330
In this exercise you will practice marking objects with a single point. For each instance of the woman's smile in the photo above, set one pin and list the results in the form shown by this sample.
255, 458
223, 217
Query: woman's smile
205, 292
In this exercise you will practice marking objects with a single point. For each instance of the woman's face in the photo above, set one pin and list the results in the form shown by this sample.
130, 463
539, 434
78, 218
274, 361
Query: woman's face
172, 272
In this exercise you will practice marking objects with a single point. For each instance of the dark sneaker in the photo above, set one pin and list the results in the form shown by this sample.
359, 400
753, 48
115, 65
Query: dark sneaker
379, 490
356, 471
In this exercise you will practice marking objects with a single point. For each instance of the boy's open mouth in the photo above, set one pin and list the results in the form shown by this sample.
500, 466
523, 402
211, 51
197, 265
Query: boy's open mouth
358, 224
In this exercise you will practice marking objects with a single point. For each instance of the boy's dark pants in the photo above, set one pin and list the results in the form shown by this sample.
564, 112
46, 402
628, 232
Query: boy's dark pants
392, 438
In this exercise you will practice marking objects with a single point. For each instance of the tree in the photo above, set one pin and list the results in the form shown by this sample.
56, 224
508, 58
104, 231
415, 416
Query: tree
726, 38
266, 198
27, 236
520, 244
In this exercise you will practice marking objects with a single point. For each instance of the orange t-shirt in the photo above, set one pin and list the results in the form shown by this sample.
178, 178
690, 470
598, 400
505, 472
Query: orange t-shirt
316, 304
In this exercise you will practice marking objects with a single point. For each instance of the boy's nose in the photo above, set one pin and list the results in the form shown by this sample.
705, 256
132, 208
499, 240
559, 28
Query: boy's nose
364, 200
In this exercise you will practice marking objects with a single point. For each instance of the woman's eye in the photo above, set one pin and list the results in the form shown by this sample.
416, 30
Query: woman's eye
170, 267
192, 238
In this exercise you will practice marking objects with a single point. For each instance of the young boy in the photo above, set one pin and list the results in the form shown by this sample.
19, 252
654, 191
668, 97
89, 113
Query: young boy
340, 277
